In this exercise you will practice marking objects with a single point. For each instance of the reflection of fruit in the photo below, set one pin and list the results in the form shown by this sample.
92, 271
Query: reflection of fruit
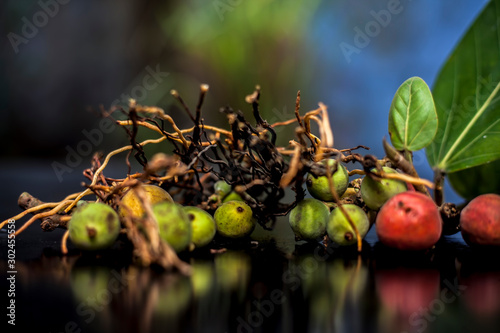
480, 220
350, 280
376, 193
94, 226
340, 230
90, 286
232, 271
174, 296
319, 188
173, 224
131, 204
308, 219
202, 278
407, 291
409, 221
482, 293
332, 289
234, 219
202, 226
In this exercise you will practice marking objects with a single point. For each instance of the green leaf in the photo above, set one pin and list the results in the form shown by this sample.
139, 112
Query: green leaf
467, 97
482, 179
412, 118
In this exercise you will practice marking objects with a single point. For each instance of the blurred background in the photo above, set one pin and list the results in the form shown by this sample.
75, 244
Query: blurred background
61, 59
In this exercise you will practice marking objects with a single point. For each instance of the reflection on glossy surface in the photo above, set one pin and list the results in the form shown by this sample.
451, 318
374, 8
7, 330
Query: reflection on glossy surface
89, 285
91, 293
202, 278
232, 271
483, 293
262, 289
173, 293
406, 291
335, 292
479, 272
407, 295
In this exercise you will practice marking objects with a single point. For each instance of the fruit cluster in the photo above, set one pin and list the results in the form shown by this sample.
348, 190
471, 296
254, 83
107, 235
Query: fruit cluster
224, 182
346, 224
404, 219
95, 226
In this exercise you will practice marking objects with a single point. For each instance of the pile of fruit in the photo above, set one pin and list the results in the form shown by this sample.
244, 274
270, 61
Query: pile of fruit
404, 219
219, 183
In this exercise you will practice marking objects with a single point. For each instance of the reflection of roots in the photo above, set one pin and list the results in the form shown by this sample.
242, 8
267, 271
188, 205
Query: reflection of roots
143, 292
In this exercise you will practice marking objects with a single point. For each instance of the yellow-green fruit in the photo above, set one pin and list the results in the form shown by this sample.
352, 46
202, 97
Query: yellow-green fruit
340, 230
234, 219
376, 193
202, 226
319, 187
94, 226
173, 224
308, 219
131, 205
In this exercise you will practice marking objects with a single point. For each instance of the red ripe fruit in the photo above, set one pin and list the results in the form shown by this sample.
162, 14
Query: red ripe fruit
409, 221
480, 220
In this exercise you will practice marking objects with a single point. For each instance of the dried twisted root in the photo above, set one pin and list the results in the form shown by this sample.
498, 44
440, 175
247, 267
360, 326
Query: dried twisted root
245, 156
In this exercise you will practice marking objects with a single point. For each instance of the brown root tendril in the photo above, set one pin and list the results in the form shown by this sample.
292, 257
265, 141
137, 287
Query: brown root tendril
244, 155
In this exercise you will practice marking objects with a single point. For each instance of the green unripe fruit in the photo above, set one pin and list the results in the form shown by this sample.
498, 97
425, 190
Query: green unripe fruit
131, 205
173, 224
376, 193
225, 193
234, 219
319, 187
308, 219
222, 188
82, 203
202, 226
340, 230
232, 196
94, 226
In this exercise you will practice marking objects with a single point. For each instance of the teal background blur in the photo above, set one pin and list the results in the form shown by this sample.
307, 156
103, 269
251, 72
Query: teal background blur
60, 60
